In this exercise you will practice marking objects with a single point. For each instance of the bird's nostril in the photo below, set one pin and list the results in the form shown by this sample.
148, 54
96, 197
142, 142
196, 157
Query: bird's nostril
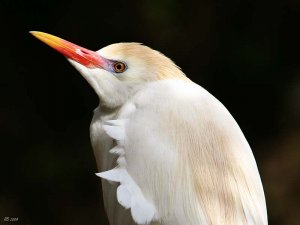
83, 51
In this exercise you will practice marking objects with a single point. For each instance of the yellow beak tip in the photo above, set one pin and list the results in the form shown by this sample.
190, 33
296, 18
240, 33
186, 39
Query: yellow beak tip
48, 39
34, 33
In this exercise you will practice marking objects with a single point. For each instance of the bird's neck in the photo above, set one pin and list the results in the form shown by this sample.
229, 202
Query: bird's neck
114, 93
111, 92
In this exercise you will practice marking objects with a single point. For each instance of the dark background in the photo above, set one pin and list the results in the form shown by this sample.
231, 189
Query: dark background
246, 53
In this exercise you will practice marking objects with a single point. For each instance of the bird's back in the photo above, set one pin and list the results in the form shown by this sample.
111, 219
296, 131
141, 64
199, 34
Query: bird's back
189, 157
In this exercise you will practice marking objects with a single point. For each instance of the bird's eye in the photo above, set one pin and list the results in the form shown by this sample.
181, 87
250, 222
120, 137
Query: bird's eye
119, 67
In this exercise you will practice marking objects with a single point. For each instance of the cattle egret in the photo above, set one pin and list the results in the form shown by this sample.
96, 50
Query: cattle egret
168, 151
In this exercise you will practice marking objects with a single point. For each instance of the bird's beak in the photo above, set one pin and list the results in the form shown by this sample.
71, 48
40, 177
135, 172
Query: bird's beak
79, 54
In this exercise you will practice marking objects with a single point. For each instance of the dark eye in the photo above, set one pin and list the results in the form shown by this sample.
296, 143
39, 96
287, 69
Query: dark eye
119, 67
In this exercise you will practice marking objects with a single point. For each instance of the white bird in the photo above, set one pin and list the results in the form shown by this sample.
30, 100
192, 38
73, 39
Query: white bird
169, 152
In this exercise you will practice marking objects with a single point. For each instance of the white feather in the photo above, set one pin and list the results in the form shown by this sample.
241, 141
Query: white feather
142, 211
130, 196
118, 123
117, 150
112, 175
121, 161
124, 196
115, 132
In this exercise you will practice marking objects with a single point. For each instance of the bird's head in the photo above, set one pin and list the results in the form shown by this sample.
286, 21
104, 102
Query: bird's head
117, 71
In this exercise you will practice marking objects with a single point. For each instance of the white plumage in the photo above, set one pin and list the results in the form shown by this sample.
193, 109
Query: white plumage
168, 151
163, 151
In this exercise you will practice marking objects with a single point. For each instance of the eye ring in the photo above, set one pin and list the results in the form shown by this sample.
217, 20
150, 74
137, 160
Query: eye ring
119, 67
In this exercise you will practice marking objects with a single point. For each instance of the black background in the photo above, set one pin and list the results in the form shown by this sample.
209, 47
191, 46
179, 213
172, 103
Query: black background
246, 53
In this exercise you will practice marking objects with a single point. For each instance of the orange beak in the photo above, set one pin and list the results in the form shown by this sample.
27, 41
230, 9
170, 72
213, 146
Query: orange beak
79, 54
